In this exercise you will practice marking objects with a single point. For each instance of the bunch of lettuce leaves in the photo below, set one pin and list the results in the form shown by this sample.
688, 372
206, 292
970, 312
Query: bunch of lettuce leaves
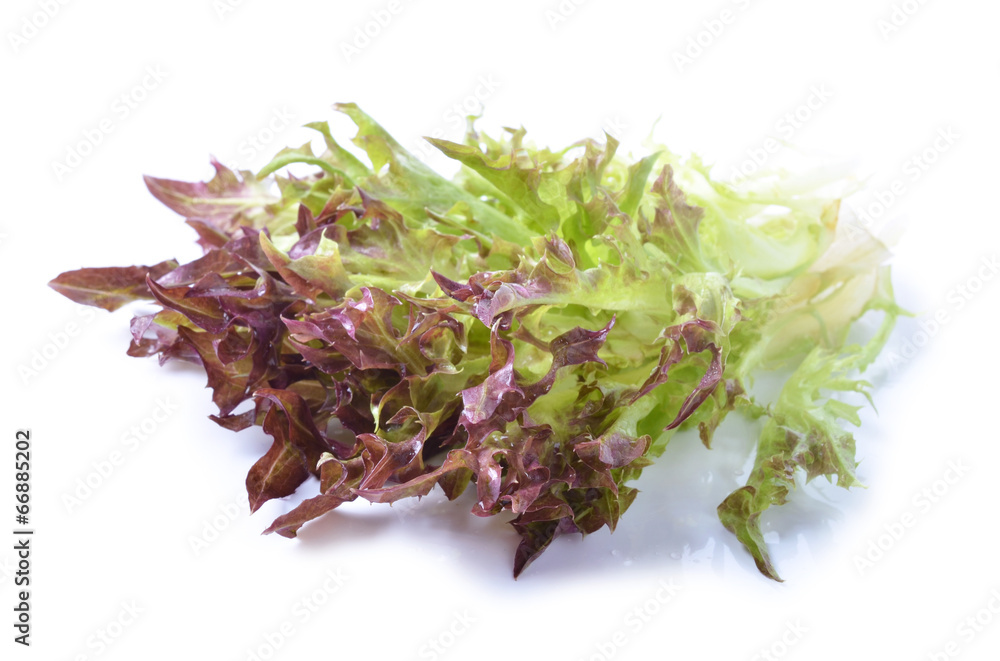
536, 328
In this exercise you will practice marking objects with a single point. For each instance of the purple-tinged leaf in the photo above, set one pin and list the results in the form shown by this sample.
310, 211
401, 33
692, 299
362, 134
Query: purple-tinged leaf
612, 450
109, 288
535, 538
215, 261
288, 525
205, 312
208, 235
222, 201
230, 382
291, 420
275, 475
458, 462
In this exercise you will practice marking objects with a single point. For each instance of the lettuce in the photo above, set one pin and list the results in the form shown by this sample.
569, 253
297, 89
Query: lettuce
536, 328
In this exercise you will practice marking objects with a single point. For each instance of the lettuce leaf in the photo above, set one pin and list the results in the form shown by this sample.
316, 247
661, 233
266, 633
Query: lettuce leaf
536, 328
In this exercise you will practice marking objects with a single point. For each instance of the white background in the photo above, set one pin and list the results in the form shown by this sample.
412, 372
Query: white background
419, 574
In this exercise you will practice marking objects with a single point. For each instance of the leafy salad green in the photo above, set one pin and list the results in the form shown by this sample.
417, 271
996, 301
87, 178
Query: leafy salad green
536, 328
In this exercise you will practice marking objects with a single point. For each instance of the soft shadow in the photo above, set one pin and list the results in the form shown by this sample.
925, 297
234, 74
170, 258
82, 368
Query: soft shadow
672, 525
482, 547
